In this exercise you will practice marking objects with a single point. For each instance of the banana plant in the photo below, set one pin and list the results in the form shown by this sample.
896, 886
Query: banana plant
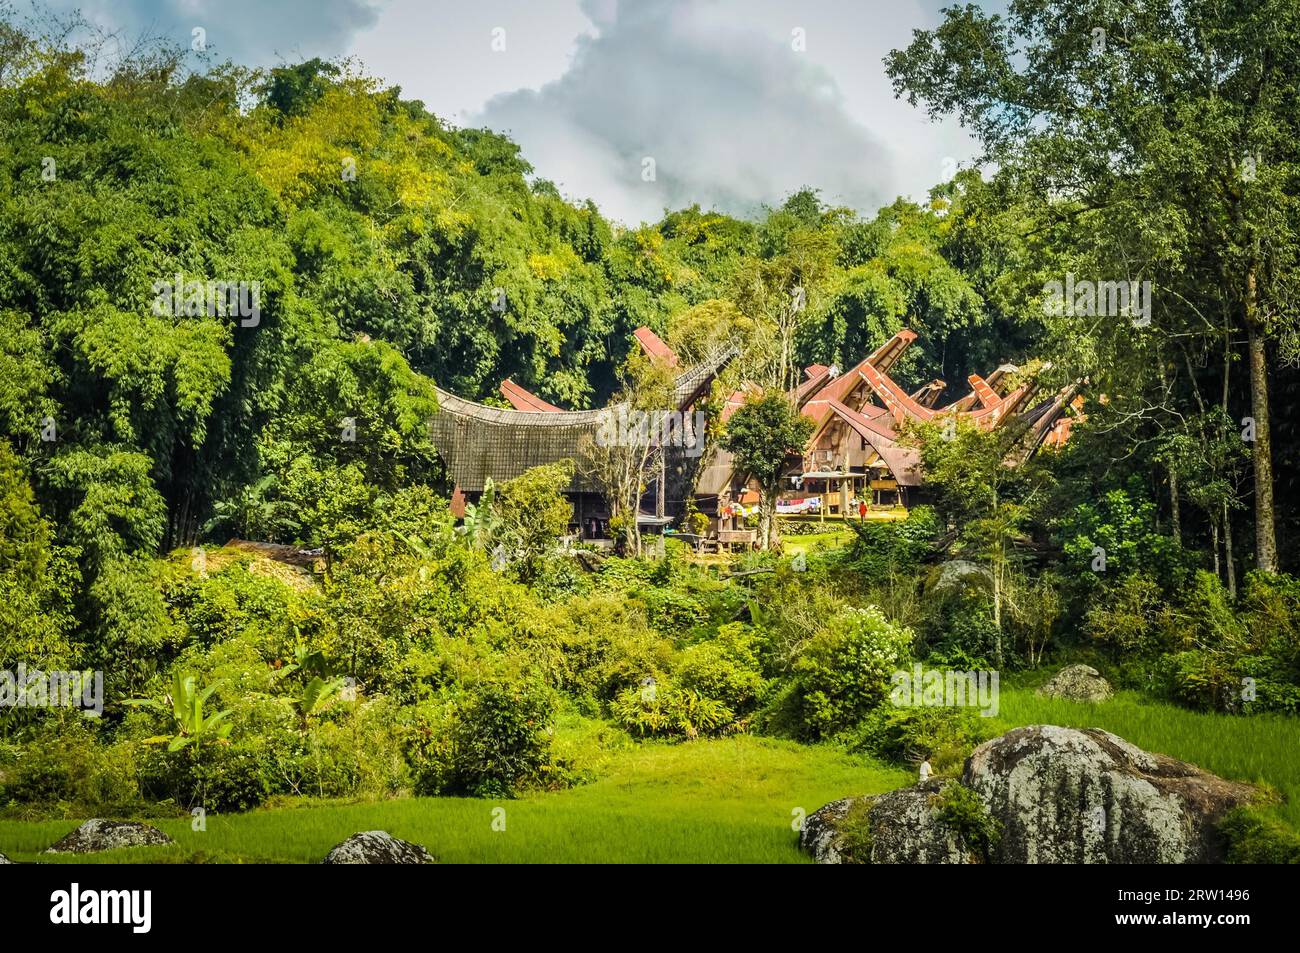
185, 704
481, 520
315, 696
441, 533
306, 660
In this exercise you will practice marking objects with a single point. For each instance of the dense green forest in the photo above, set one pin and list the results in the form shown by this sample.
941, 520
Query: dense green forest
392, 251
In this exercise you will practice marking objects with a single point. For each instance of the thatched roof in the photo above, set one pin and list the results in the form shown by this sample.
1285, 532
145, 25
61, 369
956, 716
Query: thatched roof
477, 441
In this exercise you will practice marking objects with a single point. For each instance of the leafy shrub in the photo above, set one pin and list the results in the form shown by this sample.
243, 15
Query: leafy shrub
1121, 522
534, 513
944, 736
1234, 661
235, 602
582, 748
1130, 616
725, 668
964, 813
670, 711
1206, 617
608, 646
500, 740
65, 763
672, 612
557, 576
786, 614
1200, 679
358, 753
843, 672
882, 549
228, 777
428, 747
679, 601
133, 634
854, 833
1271, 605
1271, 616
962, 627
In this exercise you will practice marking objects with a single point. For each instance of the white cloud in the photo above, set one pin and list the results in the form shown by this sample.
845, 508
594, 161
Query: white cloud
255, 32
441, 51
732, 115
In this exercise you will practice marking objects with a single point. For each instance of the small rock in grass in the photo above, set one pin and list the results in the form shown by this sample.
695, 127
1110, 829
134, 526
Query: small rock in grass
377, 847
1079, 683
98, 834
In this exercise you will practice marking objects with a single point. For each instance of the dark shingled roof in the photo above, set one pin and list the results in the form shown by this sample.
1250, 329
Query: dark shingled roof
477, 441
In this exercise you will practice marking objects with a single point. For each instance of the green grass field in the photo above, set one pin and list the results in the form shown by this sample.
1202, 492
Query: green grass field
815, 542
722, 801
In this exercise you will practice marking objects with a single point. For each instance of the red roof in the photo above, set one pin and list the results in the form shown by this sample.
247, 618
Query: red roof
521, 399
969, 401
988, 397
654, 347
818, 376
895, 398
881, 360
884, 356
903, 462
878, 423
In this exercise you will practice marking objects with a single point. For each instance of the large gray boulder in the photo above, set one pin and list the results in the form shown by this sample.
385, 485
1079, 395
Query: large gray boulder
1038, 795
899, 827
98, 834
377, 847
1079, 683
1064, 795
826, 832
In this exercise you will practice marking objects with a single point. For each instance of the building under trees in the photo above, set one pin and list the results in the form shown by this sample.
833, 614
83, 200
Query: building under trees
856, 461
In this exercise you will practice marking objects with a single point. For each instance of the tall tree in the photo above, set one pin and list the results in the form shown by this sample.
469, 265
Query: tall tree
628, 447
1177, 116
762, 435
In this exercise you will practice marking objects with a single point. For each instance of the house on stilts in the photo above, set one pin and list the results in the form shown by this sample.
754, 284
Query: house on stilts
853, 464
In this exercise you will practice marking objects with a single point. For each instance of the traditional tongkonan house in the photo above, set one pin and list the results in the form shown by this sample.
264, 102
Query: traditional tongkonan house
478, 442
853, 464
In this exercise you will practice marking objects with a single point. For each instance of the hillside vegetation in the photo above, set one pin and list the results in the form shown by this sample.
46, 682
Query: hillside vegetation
392, 665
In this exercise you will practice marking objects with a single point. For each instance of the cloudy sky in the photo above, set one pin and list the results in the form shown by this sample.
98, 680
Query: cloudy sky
737, 102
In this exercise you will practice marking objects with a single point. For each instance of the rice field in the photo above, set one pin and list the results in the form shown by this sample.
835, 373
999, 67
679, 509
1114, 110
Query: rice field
731, 800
